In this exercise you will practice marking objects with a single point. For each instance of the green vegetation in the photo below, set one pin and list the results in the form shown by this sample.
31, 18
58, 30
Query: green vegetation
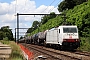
6, 33
80, 16
69, 4
85, 44
47, 17
34, 26
16, 52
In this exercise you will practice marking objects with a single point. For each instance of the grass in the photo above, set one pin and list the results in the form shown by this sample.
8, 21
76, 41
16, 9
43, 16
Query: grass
16, 52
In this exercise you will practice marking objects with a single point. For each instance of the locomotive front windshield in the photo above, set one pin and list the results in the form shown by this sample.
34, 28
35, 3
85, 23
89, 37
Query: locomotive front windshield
69, 30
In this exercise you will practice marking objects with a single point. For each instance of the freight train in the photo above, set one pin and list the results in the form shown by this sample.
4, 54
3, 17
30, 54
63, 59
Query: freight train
60, 37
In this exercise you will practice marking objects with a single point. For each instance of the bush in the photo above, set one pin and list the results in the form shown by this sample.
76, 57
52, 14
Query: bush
85, 44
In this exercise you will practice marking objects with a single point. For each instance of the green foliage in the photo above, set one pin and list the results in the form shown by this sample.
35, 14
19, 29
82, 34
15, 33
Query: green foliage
52, 15
30, 30
85, 44
44, 19
69, 4
6, 32
21, 37
77, 2
2, 35
6, 38
47, 17
35, 24
80, 16
62, 6
50, 24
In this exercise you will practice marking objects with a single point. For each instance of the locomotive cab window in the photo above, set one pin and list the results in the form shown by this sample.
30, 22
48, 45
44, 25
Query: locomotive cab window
69, 30
59, 30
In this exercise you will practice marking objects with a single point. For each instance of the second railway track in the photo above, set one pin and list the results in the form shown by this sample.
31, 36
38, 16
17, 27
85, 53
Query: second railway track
56, 54
82, 53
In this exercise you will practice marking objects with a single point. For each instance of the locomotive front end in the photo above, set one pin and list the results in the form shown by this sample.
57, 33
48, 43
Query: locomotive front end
71, 37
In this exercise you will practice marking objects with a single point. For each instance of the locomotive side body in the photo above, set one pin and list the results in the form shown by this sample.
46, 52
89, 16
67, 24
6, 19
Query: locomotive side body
66, 36
52, 36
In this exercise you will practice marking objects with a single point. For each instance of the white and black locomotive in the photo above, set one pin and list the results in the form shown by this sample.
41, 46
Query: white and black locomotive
62, 36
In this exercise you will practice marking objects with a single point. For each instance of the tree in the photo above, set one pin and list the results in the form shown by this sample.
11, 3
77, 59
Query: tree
8, 33
44, 19
62, 6
52, 15
35, 24
21, 37
30, 30
2, 35
47, 17
79, 1
69, 4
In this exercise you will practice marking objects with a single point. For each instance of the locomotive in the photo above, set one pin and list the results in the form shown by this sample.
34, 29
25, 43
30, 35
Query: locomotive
60, 37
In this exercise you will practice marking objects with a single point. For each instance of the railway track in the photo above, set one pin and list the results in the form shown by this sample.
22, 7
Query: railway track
82, 53
56, 54
76, 52
53, 54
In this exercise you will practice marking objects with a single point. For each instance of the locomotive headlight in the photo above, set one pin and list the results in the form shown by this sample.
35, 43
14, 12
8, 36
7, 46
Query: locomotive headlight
77, 40
64, 40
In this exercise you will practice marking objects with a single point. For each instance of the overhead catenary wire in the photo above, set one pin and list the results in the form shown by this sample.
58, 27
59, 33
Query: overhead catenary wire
49, 5
55, 6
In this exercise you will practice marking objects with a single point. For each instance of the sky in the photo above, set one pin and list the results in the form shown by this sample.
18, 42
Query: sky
9, 9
